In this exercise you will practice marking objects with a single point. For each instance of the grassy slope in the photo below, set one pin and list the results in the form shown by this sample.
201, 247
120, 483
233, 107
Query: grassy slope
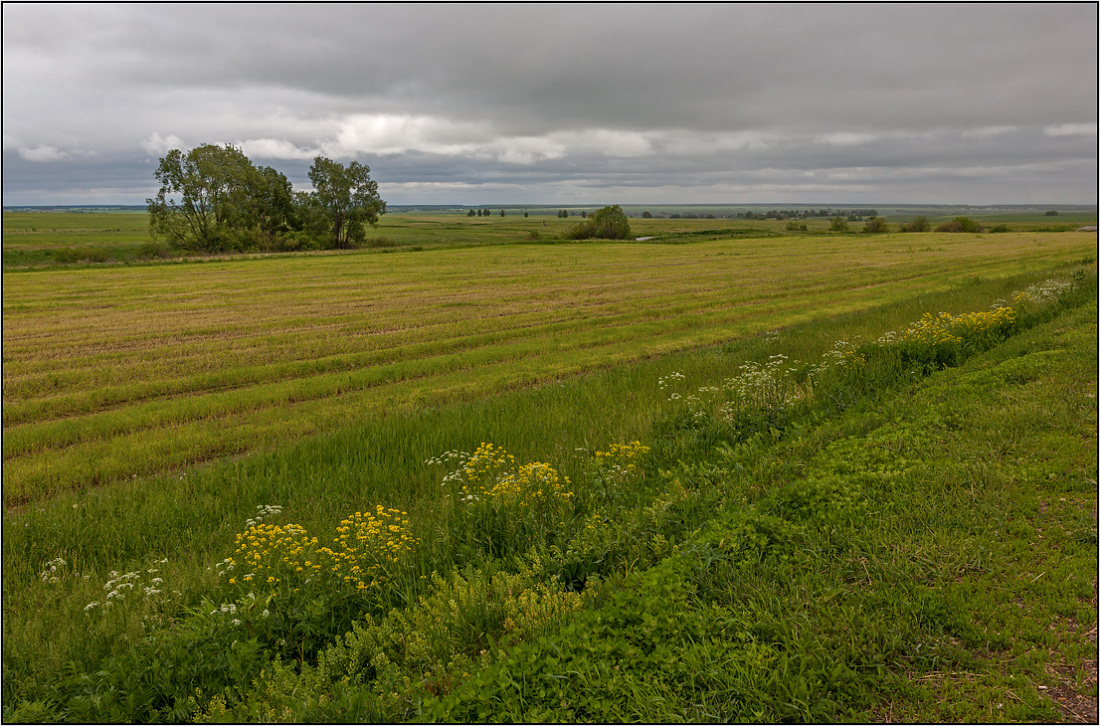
958, 588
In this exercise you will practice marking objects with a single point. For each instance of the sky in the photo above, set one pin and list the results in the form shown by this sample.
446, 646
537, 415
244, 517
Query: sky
564, 104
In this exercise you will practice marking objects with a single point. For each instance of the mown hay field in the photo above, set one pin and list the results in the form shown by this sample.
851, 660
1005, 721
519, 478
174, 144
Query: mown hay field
115, 372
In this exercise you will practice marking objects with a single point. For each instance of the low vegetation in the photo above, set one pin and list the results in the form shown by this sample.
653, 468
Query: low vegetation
821, 522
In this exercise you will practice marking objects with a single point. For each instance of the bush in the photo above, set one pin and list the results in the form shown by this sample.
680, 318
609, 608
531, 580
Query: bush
960, 224
876, 225
153, 250
607, 223
919, 224
839, 224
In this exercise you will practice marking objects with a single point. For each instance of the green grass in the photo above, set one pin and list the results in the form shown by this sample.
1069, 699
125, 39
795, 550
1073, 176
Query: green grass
832, 554
33, 240
113, 372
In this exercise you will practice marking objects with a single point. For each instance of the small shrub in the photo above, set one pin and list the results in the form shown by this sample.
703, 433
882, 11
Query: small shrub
920, 223
838, 224
960, 224
153, 251
876, 225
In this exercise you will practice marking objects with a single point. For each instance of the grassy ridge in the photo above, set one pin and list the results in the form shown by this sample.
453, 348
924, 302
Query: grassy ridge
111, 373
192, 520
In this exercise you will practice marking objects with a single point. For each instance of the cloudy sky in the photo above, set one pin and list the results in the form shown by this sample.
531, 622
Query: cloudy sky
571, 104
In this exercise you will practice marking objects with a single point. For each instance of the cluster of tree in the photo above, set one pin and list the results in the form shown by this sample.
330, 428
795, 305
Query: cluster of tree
485, 213
854, 215
213, 199
607, 223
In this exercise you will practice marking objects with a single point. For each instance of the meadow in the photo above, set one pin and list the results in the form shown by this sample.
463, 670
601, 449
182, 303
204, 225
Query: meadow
121, 371
553, 473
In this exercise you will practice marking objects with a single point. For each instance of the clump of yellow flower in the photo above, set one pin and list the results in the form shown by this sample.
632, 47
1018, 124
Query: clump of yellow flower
368, 546
621, 461
932, 329
271, 550
490, 475
534, 483
948, 328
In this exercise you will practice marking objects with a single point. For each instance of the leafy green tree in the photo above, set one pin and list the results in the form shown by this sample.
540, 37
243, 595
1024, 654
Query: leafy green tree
471, 213
838, 224
213, 185
502, 212
271, 205
348, 199
607, 223
876, 225
647, 215
920, 223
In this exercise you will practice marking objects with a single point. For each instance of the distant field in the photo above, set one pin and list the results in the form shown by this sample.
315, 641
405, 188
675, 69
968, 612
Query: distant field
116, 371
50, 239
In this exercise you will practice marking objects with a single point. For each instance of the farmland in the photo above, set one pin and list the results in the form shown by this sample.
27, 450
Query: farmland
122, 371
700, 430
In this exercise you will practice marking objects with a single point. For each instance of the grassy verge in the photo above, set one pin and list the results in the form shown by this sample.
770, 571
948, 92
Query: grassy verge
797, 544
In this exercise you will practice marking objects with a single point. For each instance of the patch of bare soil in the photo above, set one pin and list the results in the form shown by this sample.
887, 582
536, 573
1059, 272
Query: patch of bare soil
1077, 707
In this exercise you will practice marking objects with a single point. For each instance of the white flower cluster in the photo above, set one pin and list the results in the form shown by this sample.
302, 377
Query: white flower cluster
455, 477
767, 384
664, 381
230, 609
449, 456
263, 510
52, 573
1047, 290
226, 607
120, 585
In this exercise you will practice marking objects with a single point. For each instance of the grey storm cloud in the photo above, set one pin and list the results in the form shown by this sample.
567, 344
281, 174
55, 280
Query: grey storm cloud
549, 103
